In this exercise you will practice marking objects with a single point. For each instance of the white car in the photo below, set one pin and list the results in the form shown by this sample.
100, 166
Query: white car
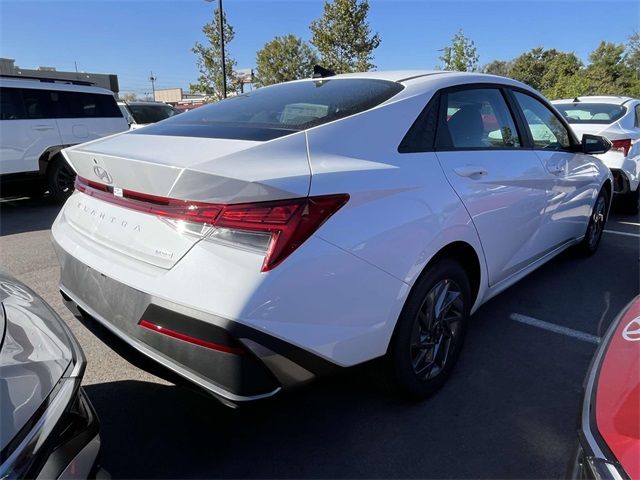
617, 119
257, 242
38, 118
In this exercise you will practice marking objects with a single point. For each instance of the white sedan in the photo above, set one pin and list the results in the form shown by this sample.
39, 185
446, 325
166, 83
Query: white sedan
617, 119
255, 243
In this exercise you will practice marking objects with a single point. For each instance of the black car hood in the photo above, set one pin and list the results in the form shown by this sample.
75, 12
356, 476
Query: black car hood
34, 354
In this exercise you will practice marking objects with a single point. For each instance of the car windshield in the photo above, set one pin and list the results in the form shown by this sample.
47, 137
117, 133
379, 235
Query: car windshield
151, 113
278, 110
602, 113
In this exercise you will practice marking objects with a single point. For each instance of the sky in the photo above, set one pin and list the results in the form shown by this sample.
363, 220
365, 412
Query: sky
131, 38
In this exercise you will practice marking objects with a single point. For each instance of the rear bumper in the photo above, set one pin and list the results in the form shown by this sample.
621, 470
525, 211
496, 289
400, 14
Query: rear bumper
237, 364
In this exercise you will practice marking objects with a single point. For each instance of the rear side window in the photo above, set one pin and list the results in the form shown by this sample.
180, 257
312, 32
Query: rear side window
598, 113
547, 131
637, 123
475, 119
278, 110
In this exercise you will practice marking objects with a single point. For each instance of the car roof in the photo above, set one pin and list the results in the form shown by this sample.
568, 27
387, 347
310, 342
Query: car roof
611, 99
152, 104
418, 78
52, 85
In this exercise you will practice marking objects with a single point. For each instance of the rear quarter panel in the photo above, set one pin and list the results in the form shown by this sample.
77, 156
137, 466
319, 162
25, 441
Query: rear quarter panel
402, 210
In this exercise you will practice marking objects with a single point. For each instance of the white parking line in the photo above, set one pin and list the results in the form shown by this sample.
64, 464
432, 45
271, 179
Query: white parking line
569, 332
629, 223
637, 235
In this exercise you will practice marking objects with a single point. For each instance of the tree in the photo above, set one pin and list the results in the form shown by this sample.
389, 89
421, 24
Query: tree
633, 61
608, 73
343, 36
544, 69
498, 67
462, 55
128, 97
283, 59
209, 59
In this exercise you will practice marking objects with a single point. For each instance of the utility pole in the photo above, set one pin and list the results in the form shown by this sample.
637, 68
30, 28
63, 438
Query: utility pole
153, 85
224, 64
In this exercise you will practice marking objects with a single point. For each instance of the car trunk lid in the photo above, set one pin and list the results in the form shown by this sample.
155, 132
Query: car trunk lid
177, 169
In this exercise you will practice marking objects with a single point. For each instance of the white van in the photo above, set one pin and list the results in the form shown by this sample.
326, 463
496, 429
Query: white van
38, 118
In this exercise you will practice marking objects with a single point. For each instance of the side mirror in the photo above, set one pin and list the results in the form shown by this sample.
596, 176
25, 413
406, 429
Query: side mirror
595, 144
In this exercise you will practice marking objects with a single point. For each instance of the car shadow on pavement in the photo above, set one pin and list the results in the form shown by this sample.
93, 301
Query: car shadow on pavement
21, 215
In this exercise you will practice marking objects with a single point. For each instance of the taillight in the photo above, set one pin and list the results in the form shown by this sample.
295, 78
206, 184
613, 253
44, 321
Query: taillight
288, 223
623, 145
275, 229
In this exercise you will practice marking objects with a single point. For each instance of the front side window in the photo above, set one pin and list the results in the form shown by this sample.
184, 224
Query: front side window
85, 105
476, 118
547, 131
37, 103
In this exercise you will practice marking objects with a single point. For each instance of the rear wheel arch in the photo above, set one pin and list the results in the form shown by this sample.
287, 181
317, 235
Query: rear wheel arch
463, 253
48, 156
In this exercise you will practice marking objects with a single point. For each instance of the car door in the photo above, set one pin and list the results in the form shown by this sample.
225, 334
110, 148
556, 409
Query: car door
28, 129
575, 174
502, 184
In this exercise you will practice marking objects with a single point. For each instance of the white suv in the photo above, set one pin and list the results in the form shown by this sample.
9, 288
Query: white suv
40, 118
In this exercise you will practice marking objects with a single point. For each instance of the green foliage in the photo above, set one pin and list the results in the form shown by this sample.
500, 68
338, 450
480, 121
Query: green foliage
608, 72
633, 53
498, 67
343, 37
209, 59
461, 55
283, 59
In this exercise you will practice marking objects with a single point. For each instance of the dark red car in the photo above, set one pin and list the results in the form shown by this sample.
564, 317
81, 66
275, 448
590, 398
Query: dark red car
610, 421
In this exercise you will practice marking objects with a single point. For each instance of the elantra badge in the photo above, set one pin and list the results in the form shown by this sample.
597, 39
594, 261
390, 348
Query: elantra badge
102, 174
631, 332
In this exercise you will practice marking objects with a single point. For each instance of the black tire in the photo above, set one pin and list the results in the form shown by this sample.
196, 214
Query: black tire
60, 179
420, 362
632, 202
597, 221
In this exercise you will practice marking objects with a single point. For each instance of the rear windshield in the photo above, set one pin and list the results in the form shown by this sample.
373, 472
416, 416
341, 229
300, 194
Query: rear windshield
151, 113
279, 110
603, 113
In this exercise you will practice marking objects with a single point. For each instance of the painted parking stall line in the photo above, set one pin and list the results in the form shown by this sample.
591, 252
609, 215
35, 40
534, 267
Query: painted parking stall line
626, 234
552, 327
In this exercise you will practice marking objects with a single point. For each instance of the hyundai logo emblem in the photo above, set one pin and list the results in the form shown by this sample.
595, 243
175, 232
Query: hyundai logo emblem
631, 331
102, 174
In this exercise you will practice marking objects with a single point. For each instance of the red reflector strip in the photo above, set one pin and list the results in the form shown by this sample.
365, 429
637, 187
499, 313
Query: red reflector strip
290, 222
188, 338
164, 207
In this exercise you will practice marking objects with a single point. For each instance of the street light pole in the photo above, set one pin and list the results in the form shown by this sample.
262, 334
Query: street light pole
224, 65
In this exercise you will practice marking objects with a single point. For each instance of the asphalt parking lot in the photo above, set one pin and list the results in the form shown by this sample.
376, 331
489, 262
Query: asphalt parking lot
509, 411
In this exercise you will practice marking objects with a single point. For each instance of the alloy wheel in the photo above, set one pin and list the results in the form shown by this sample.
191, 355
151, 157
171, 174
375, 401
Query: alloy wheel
436, 329
597, 222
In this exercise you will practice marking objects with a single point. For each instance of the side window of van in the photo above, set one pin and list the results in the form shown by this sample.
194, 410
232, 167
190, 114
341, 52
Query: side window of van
37, 103
11, 106
85, 105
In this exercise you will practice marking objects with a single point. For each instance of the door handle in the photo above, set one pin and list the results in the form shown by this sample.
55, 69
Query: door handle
471, 171
42, 128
